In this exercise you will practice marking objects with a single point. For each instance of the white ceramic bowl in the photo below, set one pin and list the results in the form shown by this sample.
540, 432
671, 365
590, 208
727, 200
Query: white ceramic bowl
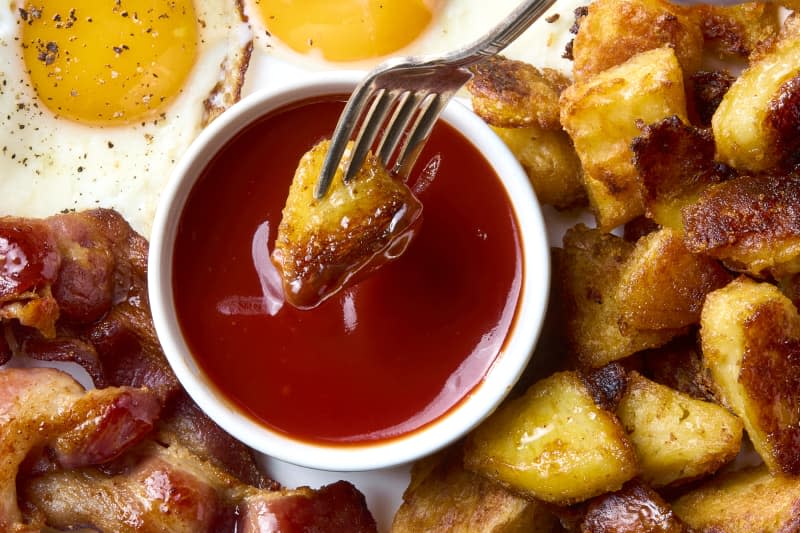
500, 378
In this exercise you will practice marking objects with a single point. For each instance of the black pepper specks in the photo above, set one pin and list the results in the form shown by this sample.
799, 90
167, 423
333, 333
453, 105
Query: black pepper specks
48, 53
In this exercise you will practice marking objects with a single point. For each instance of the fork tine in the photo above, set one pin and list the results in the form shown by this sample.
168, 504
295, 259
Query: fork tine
341, 136
370, 125
420, 130
392, 135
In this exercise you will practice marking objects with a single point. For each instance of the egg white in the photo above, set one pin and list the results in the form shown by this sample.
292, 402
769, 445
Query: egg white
456, 23
50, 164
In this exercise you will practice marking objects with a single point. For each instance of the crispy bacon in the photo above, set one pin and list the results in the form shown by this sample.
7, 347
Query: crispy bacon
5, 349
46, 410
106, 327
171, 489
101, 292
184, 423
28, 259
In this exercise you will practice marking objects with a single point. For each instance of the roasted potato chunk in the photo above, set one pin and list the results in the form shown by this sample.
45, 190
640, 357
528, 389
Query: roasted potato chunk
601, 115
613, 31
513, 94
443, 497
751, 223
554, 444
742, 502
757, 124
675, 163
677, 438
750, 336
593, 262
636, 508
322, 244
663, 285
738, 30
551, 163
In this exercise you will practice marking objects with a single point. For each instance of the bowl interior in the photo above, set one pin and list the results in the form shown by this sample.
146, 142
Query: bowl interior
502, 375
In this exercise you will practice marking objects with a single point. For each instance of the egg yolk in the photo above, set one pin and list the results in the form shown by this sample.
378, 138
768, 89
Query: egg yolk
345, 30
108, 61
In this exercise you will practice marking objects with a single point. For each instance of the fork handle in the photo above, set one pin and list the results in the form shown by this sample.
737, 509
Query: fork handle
501, 35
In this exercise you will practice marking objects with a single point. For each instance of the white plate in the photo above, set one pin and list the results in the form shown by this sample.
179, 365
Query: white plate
542, 47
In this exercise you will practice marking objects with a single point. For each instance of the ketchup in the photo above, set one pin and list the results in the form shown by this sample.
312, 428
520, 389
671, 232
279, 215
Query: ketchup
384, 357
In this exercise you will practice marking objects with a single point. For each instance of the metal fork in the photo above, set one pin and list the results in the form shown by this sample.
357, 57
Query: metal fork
415, 90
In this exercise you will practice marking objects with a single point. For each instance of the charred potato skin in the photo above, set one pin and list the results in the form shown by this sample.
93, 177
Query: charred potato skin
602, 116
315, 251
708, 88
738, 30
679, 366
750, 334
675, 163
514, 94
742, 502
553, 444
443, 497
551, 163
677, 438
613, 31
636, 508
752, 223
757, 124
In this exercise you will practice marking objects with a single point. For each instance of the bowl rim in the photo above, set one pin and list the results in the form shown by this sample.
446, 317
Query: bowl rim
459, 420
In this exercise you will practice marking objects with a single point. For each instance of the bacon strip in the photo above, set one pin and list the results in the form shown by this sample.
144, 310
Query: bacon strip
106, 327
46, 409
170, 489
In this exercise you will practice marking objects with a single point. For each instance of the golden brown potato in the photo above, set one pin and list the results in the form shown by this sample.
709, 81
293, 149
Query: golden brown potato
751, 223
613, 31
553, 444
513, 94
635, 509
757, 124
443, 497
747, 501
601, 115
662, 285
750, 336
675, 163
551, 163
738, 30
677, 438
322, 244
591, 271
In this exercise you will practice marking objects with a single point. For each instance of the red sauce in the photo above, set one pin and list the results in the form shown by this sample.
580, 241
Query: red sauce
381, 359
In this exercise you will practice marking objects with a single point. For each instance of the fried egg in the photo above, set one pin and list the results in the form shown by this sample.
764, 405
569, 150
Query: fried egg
320, 34
98, 99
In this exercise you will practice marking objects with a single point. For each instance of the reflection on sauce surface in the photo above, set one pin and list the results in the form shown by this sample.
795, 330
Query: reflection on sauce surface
384, 357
